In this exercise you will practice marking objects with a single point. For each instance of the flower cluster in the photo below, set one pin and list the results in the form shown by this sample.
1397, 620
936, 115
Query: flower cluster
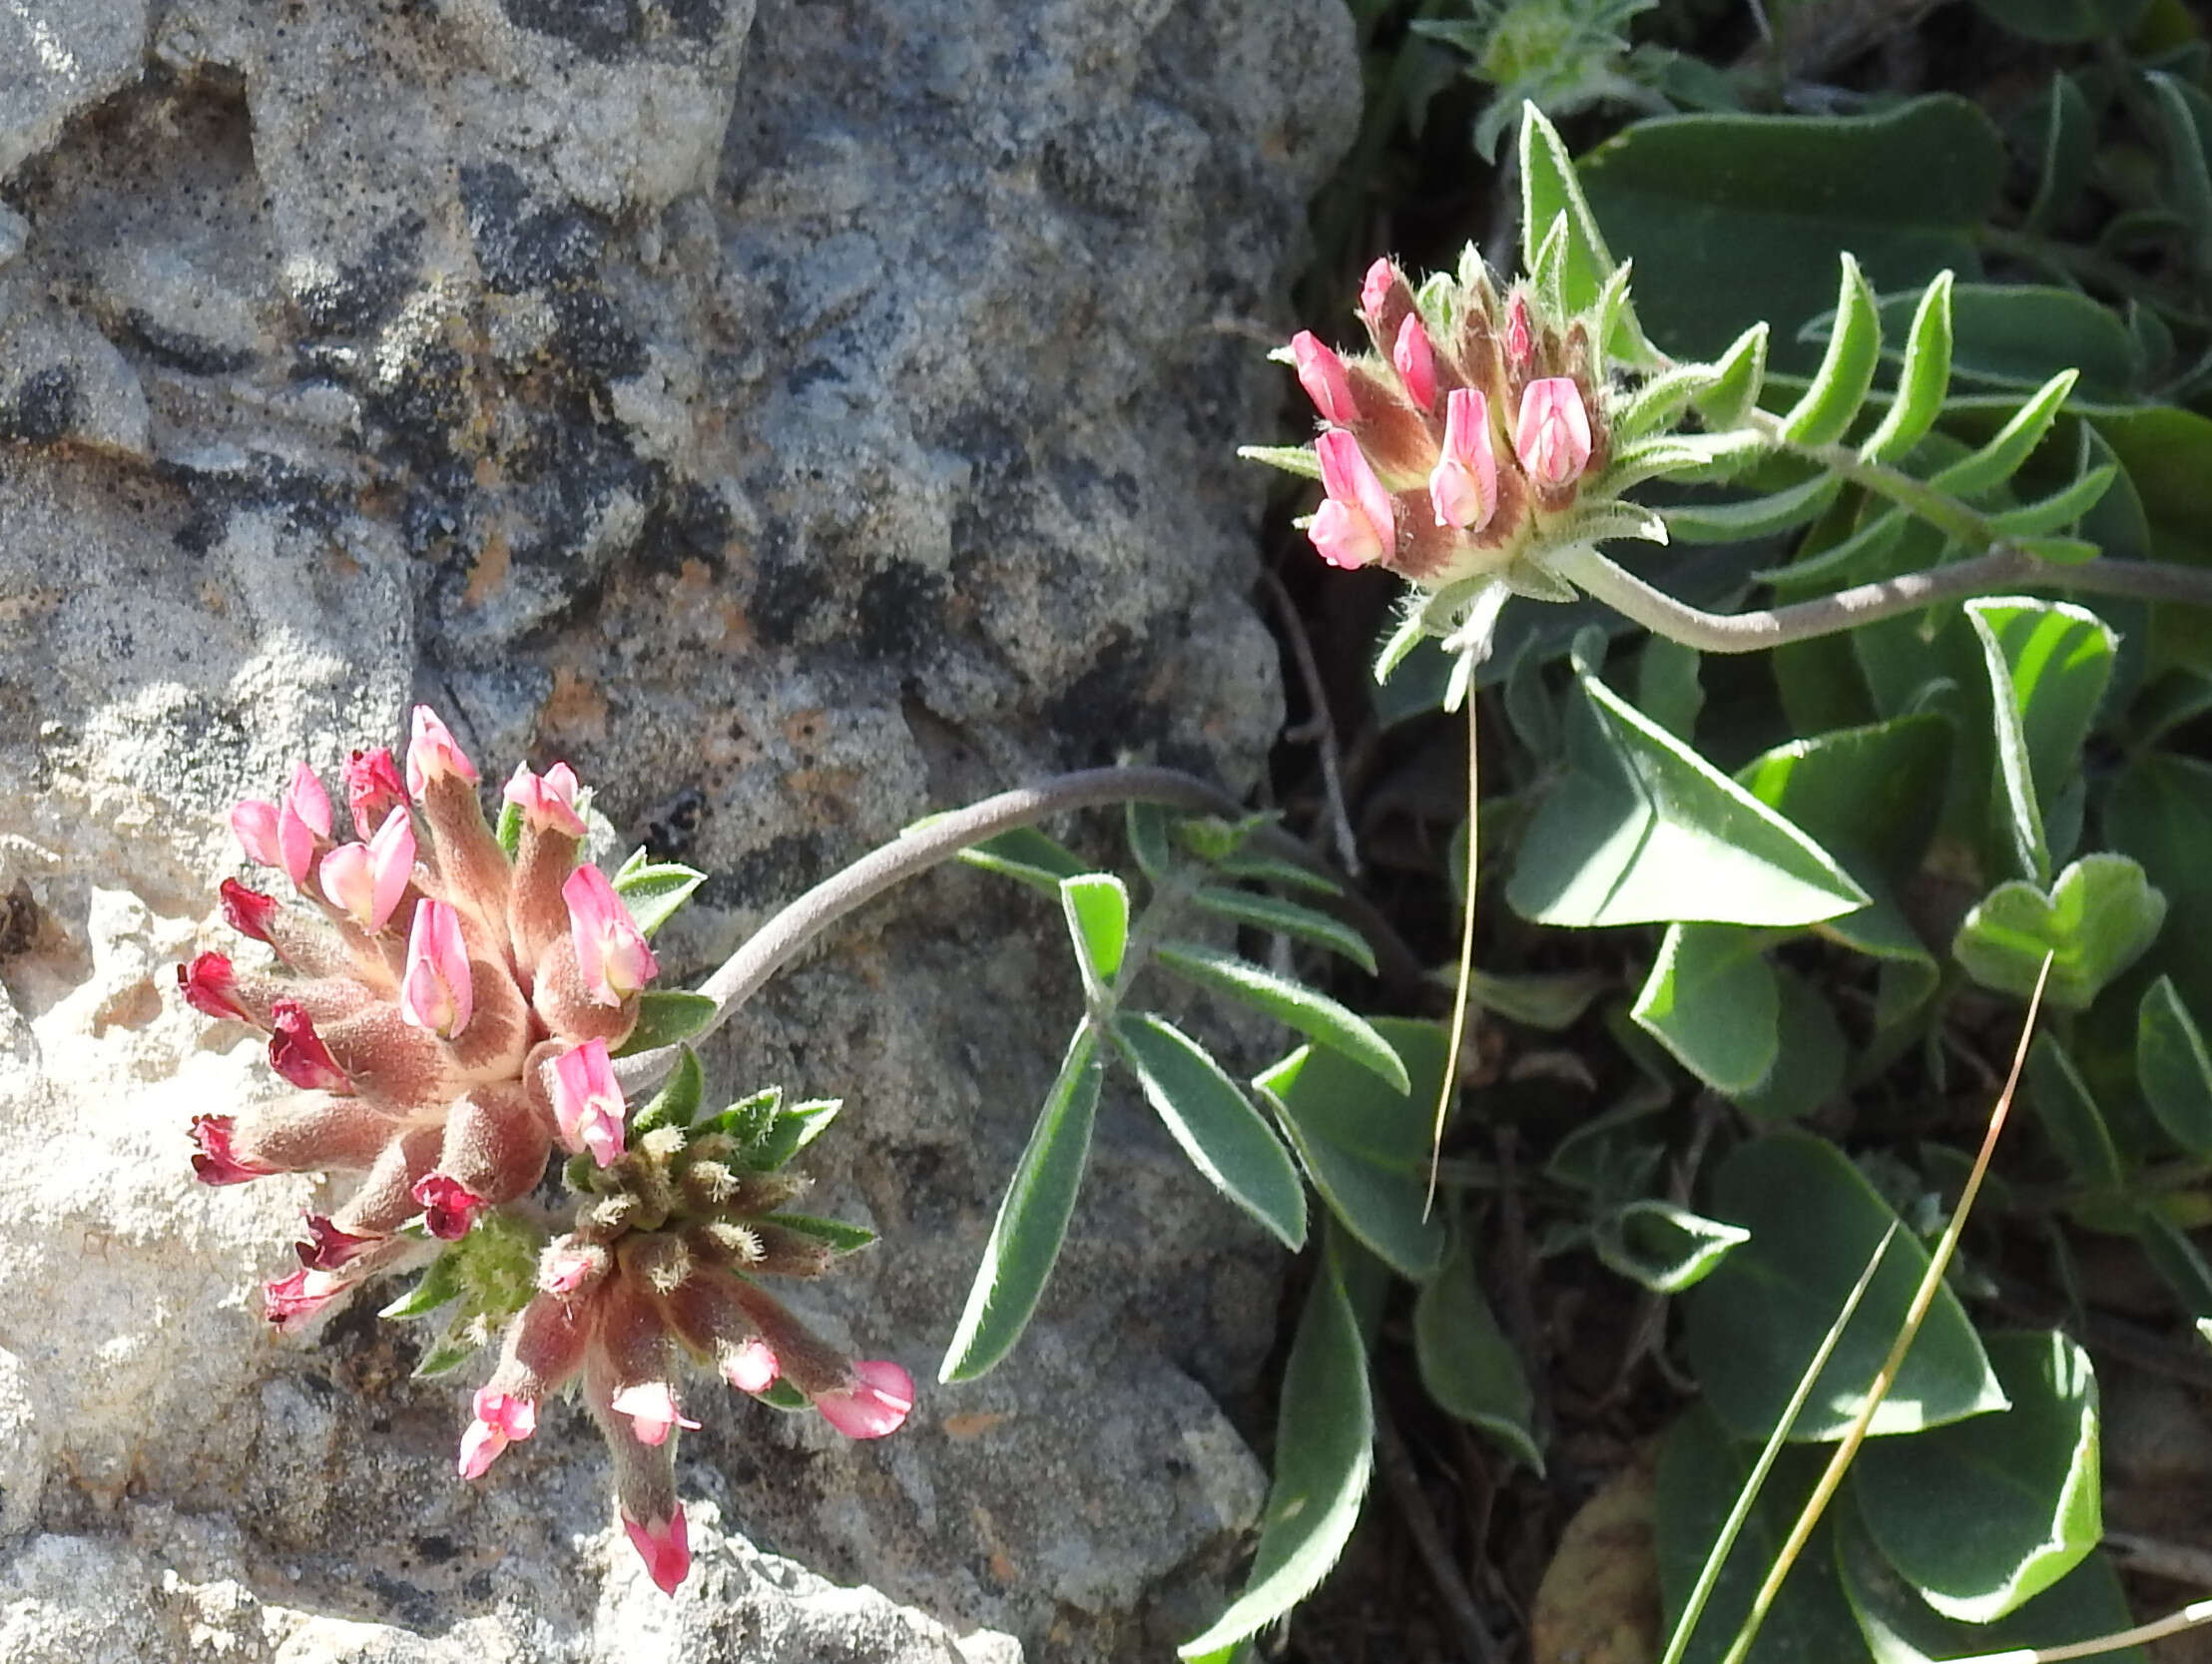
1470, 428
449, 1004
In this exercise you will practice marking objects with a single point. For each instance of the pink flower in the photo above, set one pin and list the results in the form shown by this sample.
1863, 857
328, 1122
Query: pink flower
1552, 438
665, 1547
1519, 341
1357, 525
449, 1207
210, 987
296, 1051
290, 1300
1322, 373
587, 1102
612, 957
877, 1402
327, 1246
433, 753
501, 1419
212, 1159
301, 819
436, 992
651, 1407
1416, 362
255, 822
1375, 289
1463, 486
247, 911
548, 803
751, 1366
367, 880
569, 1265
372, 788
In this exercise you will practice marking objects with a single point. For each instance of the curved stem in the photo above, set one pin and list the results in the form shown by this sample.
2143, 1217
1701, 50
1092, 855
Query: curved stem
2006, 567
1939, 508
785, 935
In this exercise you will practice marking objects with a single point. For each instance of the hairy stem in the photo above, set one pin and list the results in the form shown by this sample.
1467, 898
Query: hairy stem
1939, 508
784, 936
2006, 567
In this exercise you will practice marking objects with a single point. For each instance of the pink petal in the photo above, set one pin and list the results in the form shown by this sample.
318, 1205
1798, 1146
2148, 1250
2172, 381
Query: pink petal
1416, 361
254, 824
876, 1403
1322, 373
433, 753
665, 1547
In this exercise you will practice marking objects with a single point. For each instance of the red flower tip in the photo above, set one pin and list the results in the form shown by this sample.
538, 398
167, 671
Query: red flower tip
501, 1418
290, 1300
373, 789
212, 1158
247, 911
296, 1051
875, 1404
664, 1546
449, 1207
327, 1246
209, 987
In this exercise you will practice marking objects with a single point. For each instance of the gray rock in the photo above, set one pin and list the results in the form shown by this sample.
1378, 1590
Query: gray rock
797, 423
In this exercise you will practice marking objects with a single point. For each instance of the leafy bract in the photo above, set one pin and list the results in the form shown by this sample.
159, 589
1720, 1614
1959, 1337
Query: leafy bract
1097, 909
1324, 1454
1984, 1514
652, 890
1032, 1219
676, 1102
1755, 1321
1364, 1144
1214, 1123
1467, 1364
1644, 830
665, 1016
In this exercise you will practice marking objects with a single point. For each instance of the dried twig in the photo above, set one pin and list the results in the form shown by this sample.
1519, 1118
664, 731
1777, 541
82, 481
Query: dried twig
1420, 1525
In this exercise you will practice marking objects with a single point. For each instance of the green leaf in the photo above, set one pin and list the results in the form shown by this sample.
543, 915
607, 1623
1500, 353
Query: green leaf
665, 1016
2060, 509
1847, 367
1324, 1457
2069, 140
2049, 663
789, 1131
1742, 379
2175, 1258
1314, 1015
1219, 1130
1468, 1365
1644, 830
2069, 1116
1268, 913
836, 1234
2000, 460
1027, 857
1754, 1323
2160, 813
2186, 163
2098, 919
1868, 794
1667, 688
1901, 1628
1711, 999
1701, 1473
2019, 336
1922, 382
652, 893
1809, 1062
1735, 218
444, 1357
1097, 909
440, 1284
1032, 1219
1302, 460
1984, 1514
509, 829
1147, 829
1365, 1145
2066, 22
1551, 191
676, 1102
1664, 1246
1753, 517
2173, 1068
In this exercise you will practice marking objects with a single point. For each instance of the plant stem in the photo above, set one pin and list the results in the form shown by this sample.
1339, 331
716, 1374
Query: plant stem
1939, 508
785, 935
2006, 567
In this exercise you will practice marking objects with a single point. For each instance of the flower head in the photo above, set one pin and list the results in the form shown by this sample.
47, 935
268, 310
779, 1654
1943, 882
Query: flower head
1322, 373
212, 1159
1375, 287
211, 986
291, 1301
611, 951
1357, 525
436, 992
255, 822
449, 1207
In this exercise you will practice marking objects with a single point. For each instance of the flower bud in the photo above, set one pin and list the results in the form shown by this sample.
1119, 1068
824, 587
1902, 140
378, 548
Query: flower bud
750, 1365
288, 1301
651, 1408
1322, 373
433, 753
664, 1545
247, 911
212, 1159
1416, 362
437, 992
211, 986
327, 1246
1357, 525
1463, 489
449, 1207
612, 955
1520, 344
373, 789
1552, 436
587, 1103
547, 802
365, 880
501, 1418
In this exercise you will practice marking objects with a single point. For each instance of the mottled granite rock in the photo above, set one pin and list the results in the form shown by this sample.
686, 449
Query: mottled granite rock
796, 421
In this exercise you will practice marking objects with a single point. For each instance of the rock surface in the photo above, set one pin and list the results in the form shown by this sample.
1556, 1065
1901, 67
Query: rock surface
798, 421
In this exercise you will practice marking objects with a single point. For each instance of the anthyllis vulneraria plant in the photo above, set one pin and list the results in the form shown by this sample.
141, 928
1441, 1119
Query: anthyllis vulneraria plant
451, 1009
